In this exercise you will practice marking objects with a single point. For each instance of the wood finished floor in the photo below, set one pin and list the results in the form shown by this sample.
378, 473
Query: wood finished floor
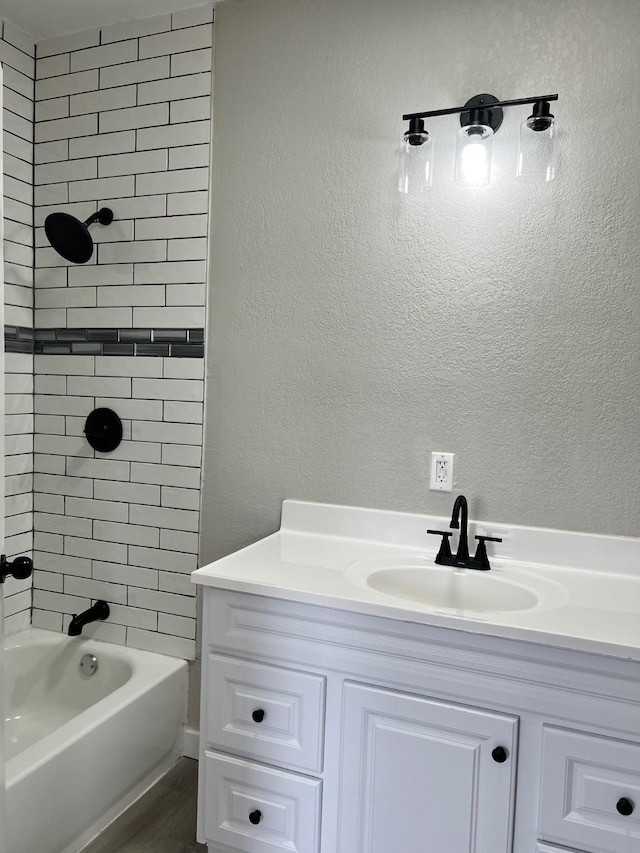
161, 821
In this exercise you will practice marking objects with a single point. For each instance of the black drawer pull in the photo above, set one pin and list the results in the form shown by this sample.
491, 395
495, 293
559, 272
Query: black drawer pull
625, 806
499, 754
255, 817
258, 715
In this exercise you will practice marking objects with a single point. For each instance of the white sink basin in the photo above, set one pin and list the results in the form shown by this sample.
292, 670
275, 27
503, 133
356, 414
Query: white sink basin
421, 581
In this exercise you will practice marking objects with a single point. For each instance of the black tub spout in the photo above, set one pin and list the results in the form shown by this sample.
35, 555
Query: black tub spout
99, 612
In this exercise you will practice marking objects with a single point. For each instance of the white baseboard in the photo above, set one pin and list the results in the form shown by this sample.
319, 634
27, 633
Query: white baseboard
190, 742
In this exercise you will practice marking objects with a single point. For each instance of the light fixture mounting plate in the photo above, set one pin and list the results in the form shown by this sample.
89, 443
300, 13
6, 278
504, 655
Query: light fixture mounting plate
483, 102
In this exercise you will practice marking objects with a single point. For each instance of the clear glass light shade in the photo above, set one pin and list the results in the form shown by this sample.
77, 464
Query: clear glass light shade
473, 156
537, 152
416, 164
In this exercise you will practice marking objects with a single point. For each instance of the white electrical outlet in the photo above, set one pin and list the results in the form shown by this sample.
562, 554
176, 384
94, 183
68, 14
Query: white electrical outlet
441, 472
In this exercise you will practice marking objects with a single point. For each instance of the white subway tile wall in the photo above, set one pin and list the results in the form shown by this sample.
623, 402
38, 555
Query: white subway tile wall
124, 122
122, 526
17, 52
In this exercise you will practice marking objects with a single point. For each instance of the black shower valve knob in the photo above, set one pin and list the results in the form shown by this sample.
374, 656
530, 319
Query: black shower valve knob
103, 430
20, 568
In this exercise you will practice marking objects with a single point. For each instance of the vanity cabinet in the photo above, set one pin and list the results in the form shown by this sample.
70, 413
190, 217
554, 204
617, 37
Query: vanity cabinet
326, 731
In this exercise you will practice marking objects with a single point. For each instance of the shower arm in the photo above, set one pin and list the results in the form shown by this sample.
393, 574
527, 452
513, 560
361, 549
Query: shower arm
104, 216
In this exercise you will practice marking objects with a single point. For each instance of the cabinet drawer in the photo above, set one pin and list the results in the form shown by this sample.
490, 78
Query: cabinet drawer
587, 781
265, 712
259, 809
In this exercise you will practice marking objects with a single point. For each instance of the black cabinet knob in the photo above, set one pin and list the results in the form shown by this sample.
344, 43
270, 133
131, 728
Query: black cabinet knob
258, 715
500, 754
625, 806
255, 817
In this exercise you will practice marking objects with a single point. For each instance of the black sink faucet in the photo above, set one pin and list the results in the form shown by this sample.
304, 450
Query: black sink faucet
99, 611
461, 560
460, 508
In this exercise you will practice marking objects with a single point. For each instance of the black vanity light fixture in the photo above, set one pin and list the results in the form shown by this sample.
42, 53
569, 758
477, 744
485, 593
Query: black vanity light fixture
480, 119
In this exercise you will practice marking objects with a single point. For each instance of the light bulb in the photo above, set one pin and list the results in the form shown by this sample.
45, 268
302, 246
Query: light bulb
474, 162
473, 156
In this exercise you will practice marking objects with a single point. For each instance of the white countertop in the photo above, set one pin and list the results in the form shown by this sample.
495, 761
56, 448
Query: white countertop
588, 585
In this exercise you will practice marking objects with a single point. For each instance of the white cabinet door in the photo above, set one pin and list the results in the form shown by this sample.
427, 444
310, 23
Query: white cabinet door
420, 776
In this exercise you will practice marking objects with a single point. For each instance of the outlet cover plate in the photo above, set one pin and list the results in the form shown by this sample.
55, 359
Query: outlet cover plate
441, 472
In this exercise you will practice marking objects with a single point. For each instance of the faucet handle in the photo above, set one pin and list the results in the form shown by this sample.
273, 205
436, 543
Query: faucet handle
445, 549
481, 551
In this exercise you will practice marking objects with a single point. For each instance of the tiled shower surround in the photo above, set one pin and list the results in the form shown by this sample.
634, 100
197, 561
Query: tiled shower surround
122, 120
122, 526
17, 52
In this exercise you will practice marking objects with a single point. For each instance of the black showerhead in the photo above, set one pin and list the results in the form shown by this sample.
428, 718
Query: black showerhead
70, 237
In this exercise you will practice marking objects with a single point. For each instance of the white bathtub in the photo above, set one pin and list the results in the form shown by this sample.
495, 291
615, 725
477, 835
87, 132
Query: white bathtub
81, 748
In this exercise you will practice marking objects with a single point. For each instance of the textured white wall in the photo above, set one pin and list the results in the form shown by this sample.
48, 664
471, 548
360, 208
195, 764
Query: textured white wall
352, 332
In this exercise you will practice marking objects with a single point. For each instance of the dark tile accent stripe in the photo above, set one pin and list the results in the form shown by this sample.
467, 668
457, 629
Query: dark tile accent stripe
170, 335
18, 333
101, 335
69, 334
45, 334
25, 347
118, 349
136, 335
187, 350
152, 349
165, 343
18, 339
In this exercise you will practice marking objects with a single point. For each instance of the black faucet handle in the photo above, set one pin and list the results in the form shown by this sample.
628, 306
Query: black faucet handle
481, 551
445, 549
